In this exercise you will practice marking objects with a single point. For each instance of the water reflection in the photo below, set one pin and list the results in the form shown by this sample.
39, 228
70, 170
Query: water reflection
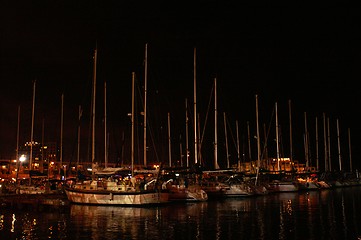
106, 221
327, 214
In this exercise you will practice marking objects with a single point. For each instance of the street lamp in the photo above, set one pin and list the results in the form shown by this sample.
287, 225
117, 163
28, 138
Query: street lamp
21, 160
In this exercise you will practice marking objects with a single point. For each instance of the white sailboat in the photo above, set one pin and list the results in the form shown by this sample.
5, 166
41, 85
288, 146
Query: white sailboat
308, 179
281, 181
118, 186
239, 187
237, 184
211, 183
183, 184
227, 182
38, 182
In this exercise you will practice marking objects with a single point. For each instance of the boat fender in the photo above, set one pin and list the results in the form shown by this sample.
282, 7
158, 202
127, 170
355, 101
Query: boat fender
111, 196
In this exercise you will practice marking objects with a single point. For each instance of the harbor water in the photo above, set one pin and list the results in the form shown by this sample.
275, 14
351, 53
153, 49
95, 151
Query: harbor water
319, 214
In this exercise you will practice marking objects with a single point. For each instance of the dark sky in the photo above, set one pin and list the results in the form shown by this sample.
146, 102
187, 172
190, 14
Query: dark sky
309, 55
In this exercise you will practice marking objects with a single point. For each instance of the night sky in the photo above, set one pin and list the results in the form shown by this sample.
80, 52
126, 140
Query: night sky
308, 55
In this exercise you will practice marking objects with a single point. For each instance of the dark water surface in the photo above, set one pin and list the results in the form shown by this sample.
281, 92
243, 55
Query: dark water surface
326, 214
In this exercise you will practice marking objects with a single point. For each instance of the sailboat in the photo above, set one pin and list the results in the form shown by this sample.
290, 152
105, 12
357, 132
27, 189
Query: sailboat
183, 184
38, 182
307, 180
238, 184
280, 181
118, 186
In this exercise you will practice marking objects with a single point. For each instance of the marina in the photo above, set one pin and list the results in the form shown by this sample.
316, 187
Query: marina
113, 188
214, 120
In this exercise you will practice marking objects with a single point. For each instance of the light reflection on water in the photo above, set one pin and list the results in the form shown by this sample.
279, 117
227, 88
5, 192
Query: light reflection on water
328, 214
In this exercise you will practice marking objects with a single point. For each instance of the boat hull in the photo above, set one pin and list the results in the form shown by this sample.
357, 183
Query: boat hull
308, 186
191, 194
281, 186
239, 190
136, 198
214, 192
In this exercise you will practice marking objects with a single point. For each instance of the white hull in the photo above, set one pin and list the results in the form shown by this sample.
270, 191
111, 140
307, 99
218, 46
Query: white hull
190, 194
239, 190
214, 191
134, 198
308, 185
323, 185
260, 190
30, 190
43, 187
282, 186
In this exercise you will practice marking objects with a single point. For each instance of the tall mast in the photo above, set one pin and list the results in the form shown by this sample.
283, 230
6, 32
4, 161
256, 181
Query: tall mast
169, 143
317, 153
258, 137
306, 142
349, 148
32, 129
105, 127
325, 142
249, 141
290, 119
181, 150
195, 109
93, 110
42, 146
216, 166
238, 151
329, 144
17, 145
145, 104
277, 141
78, 152
187, 122
339, 146
265, 155
61, 134
226, 138
258, 143
132, 116
199, 142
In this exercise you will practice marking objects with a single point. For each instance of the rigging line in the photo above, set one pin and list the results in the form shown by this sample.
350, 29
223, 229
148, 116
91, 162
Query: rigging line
206, 119
77, 139
150, 129
149, 125
136, 117
230, 129
268, 132
282, 154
